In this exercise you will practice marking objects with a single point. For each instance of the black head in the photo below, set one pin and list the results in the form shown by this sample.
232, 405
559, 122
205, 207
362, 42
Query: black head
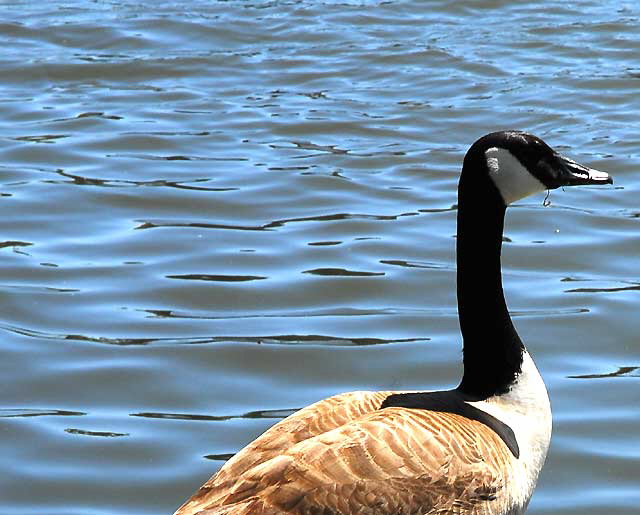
521, 164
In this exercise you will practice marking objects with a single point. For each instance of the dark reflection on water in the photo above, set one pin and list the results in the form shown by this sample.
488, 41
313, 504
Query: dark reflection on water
15, 244
219, 457
298, 164
341, 312
604, 290
26, 412
621, 372
283, 339
633, 286
270, 225
283, 413
115, 183
341, 272
177, 158
103, 434
221, 278
414, 264
324, 243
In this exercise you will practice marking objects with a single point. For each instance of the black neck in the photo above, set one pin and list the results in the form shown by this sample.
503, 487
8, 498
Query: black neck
492, 349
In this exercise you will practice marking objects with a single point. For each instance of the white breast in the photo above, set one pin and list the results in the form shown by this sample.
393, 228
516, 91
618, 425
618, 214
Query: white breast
526, 409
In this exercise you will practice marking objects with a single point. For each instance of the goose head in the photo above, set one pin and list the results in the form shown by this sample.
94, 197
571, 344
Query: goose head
498, 169
519, 164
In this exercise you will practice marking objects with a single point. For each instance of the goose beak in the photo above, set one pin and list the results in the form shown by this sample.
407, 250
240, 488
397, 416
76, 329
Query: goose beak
571, 173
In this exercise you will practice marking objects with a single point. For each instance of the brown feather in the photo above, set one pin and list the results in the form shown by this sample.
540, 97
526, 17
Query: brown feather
344, 456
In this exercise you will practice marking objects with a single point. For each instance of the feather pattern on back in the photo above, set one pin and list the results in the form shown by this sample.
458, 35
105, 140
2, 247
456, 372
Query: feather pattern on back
344, 455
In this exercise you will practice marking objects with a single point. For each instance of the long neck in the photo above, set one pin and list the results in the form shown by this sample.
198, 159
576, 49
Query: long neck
492, 349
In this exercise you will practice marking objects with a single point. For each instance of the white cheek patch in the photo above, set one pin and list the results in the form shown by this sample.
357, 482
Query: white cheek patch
512, 179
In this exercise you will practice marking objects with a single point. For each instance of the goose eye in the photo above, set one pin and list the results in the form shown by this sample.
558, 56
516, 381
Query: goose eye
547, 168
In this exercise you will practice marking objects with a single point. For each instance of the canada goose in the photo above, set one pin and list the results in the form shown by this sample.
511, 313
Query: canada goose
476, 449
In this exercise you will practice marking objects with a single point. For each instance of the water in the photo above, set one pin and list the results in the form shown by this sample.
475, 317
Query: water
215, 213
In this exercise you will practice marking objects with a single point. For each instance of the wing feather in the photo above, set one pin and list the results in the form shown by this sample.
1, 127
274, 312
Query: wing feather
345, 456
306, 423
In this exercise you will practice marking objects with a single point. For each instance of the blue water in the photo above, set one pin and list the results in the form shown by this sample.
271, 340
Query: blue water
218, 212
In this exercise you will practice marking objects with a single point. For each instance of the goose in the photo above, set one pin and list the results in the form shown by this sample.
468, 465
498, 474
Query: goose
474, 450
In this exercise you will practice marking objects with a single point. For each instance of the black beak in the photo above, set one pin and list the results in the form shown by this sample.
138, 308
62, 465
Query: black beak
570, 173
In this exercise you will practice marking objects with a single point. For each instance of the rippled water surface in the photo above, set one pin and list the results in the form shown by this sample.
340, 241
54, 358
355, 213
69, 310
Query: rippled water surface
215, 213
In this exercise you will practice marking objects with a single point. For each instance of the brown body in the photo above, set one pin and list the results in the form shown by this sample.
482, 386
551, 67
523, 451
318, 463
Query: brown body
344, 455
